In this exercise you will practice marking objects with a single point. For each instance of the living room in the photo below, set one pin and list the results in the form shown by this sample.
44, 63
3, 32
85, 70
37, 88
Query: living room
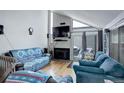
60, 46
80, 50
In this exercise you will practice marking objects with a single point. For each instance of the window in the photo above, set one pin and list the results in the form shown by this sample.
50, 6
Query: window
78, 24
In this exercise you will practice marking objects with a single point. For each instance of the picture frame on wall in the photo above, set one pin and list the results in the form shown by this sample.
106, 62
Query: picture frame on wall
1, 29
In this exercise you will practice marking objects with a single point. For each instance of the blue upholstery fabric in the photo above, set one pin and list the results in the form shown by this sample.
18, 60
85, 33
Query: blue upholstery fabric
108, 65
88, 69
115, 79
85, 77
117, 71
97, 71
32, 58
20, 55
98, 53
87, 63
101, 59
38, 52
27, 77
113, 68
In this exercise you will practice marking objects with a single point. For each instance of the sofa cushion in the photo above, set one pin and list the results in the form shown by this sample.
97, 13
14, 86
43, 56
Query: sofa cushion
30, 66
38, 52
36, 64
30, 54
28, 77
20, 55
98, 53
108, 65
101, 59
117, 71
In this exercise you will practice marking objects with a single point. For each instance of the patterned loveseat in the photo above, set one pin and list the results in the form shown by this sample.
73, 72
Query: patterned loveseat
32, 58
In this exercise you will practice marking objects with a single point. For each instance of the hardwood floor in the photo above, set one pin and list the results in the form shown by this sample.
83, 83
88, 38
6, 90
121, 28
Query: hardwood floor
59, 68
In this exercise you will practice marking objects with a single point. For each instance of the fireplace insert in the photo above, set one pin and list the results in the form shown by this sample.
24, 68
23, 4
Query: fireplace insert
62, 53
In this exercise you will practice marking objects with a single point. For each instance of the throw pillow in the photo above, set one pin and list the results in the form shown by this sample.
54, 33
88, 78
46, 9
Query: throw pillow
88, 56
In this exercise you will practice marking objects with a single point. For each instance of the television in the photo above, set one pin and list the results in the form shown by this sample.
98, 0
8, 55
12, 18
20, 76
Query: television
61, 31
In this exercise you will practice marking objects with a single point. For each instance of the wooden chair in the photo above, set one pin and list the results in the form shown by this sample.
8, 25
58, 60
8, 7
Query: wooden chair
6, 67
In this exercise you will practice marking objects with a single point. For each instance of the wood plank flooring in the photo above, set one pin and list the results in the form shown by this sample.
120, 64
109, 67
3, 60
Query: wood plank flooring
59, 68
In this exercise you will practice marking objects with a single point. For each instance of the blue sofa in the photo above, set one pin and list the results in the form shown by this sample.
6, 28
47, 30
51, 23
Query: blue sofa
109, 69
32, 58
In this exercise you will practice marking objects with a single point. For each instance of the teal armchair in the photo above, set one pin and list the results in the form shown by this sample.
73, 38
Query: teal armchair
110, 69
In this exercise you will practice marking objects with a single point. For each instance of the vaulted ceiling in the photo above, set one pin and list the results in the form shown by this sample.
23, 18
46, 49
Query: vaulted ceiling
95, 18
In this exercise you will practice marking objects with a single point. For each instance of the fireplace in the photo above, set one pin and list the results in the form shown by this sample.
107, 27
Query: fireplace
62, 53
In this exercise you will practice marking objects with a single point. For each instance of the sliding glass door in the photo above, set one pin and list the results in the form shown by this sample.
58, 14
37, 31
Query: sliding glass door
77, 45
117, 44
114, 43
92, 41
121, 44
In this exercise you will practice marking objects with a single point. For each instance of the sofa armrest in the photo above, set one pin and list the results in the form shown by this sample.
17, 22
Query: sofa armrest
119, 81
88, 69
47, 54
115, 79
84, 77
87, 63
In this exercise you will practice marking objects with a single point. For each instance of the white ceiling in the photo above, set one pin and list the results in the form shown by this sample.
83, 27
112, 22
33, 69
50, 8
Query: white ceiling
95, 18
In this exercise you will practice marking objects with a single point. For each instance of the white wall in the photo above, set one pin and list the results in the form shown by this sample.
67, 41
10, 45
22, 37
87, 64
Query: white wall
57, 19
16, 24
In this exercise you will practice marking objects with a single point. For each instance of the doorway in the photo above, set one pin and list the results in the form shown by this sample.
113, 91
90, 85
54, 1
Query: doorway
84, 41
